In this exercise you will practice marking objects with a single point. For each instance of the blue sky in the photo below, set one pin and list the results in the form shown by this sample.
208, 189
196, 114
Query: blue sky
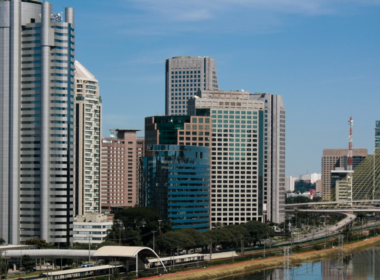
322, 56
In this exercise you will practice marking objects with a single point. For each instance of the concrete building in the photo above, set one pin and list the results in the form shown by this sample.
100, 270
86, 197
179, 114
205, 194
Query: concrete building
333, 158
274, 153
119, 170
91, 227
184, 76
318, 186
175, 180
377, 134
178, 130
88, 131
289, 183
237, 155
342, 181
310, 177
37, 50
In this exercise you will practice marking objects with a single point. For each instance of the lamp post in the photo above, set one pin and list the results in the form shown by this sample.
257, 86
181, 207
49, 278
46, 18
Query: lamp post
154, 240
89, 249
159, 226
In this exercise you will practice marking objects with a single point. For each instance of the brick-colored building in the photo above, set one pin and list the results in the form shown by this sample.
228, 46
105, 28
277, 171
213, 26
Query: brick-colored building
119, 169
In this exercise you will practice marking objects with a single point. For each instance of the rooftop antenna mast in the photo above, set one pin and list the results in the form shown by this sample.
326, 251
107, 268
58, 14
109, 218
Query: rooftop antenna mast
349, 157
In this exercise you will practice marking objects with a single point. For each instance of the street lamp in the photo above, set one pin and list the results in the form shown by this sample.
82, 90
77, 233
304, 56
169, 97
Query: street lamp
153, 240
159, 226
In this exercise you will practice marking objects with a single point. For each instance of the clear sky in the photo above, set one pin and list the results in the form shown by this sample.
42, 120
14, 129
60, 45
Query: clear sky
322, 56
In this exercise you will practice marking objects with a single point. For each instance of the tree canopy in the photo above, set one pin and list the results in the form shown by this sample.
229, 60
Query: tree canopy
297, 199
38, 242
134, 218
27, 263
2, 241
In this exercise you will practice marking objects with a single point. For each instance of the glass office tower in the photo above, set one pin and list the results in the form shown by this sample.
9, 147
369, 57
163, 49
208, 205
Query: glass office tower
176, 181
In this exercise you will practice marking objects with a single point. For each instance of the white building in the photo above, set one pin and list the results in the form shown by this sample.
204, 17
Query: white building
315, 177
289, 183
93, 227
88, 112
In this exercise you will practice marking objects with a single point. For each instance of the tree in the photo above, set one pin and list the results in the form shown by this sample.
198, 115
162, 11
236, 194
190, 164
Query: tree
27, 263
134, 218
82, 246
38, 242
258, 231
107, 243
4, 267
198, 238
297, 199
2, 241
173, 240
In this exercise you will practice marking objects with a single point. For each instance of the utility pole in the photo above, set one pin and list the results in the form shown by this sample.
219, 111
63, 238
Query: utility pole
242, 246
154, 240
210, 251
89, 248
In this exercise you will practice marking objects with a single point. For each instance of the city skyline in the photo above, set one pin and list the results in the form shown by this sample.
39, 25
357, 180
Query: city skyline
308, 53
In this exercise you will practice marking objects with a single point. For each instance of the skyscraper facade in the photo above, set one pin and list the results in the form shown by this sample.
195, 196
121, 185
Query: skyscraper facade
36, 122
119, 165
333, 158
237, 155
175, 180
184, 76
274, 154
88, 124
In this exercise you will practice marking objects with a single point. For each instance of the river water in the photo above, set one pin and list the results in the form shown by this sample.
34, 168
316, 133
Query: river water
359, 266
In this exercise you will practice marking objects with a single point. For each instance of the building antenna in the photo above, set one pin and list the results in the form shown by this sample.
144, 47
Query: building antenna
349, 157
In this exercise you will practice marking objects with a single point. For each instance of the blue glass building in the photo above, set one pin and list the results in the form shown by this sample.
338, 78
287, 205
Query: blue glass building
176, 181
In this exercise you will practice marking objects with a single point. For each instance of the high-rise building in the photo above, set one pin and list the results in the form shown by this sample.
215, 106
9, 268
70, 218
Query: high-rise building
290, 183
333, 158
178, 130
36, 122
88, 124
318, 186
175, 179
119, 170
377, 134
237, 155
140, 152
274, 154
184, 76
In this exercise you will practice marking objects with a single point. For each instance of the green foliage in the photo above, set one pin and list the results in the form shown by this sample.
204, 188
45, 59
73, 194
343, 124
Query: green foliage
348, 236
258, 231
134, 226
115, 273
361, 214
374, 231
297, 199
82, 246
3, 267
172, 240
296, 249
107, 243
27, 263
134, 218
317, 247
303, 186
38, 242
2, 241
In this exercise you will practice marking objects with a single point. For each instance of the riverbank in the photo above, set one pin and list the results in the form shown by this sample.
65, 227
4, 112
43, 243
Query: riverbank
247, 267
